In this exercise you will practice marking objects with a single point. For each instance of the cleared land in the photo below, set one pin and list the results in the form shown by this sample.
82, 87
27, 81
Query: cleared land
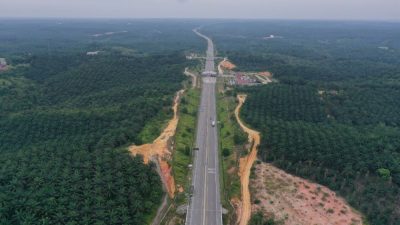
225, 65
294, 200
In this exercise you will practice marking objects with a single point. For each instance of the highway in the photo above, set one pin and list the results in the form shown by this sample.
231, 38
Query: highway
205, 204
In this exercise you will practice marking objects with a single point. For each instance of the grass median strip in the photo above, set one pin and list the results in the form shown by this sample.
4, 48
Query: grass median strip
184, 140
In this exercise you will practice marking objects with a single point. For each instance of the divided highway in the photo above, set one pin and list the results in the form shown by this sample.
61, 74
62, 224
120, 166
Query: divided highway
205, 204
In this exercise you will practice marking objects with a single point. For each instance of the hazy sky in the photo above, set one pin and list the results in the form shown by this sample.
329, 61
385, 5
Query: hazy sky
279, 9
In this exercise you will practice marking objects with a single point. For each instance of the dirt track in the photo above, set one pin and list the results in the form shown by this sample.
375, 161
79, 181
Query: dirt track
159, 150
194, 77
245, 165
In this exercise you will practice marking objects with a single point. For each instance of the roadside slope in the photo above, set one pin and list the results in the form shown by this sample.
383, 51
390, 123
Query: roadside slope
159, 152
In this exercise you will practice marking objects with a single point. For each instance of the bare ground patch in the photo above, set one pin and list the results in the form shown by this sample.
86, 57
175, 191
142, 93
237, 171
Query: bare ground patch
298, 201
225, 65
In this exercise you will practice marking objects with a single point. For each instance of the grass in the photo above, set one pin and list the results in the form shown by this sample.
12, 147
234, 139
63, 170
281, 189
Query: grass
228, 130
150, 217
154, 127
185, 138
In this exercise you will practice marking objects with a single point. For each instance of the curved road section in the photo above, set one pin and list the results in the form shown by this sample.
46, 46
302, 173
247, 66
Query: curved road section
205, 205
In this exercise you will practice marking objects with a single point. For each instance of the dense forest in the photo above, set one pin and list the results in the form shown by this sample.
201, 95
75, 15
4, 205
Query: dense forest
67, 117
333, 117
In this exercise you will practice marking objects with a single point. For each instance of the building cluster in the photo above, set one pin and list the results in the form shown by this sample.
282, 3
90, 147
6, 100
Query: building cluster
250, 78
242, 79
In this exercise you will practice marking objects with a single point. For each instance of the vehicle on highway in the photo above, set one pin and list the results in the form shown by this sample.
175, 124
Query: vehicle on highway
213, 123
191, 190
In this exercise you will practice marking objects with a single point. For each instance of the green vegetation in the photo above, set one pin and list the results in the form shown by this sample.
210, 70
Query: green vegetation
20, 38
153, 128
258, 219
58, 135
69, 185
312, 51
301, 136
103, 102
230, 150
66, 119
384, 173
185, 138
333, 116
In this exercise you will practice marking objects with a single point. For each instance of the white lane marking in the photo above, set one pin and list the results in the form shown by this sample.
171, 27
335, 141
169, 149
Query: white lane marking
205, 174
197, 166
216, 152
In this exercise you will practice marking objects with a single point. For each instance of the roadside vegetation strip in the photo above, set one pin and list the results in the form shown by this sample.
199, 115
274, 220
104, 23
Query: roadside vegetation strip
182, 155
184, 141
178, 159
232, 139
245, 165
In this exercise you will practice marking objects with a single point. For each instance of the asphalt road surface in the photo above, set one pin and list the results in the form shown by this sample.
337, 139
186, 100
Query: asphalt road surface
205, 204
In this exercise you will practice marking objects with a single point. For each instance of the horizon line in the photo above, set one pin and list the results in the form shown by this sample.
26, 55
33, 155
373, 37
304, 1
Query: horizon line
200, 18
